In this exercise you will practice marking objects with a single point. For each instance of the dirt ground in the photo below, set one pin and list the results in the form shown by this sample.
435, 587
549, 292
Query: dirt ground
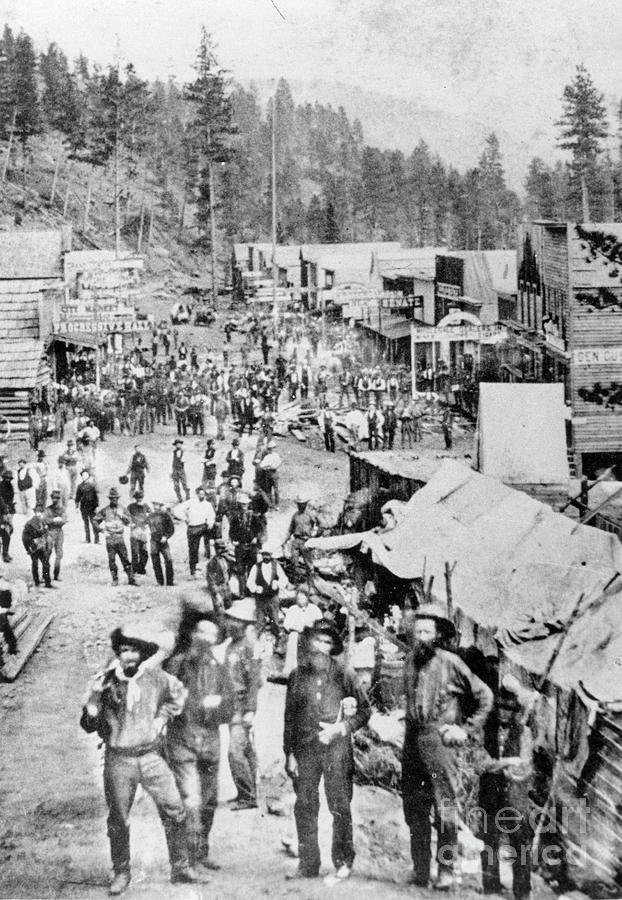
52, 821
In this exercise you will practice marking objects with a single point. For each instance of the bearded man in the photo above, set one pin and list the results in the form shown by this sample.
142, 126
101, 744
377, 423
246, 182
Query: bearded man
324, 705
129, 705
439, 689
193, 738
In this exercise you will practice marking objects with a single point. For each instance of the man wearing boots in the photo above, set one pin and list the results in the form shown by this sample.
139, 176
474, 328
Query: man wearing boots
161, 529
129, 705
193, 738
55, 517
112, 519
439, 688
87, 501
139, 512
36, 541
244, 670
324, 705
265, 582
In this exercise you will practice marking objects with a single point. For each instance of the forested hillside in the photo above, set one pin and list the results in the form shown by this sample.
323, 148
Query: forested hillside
135, 163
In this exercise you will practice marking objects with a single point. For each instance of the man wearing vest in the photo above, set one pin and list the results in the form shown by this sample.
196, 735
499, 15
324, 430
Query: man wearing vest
265, 582
178, 471
112, 520
235, 459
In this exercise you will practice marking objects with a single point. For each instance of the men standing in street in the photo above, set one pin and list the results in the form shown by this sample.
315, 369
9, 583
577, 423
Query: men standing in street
87, 501
193, 738
265, 582
245, 536
200, 517
137, 470
178, 471
112, 519
55, 518
161, 529
439, 688
129, 706
138, 512
36, 541
389, 425
245, 674
323, 707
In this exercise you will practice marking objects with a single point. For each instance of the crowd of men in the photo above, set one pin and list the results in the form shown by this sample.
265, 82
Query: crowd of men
158, 706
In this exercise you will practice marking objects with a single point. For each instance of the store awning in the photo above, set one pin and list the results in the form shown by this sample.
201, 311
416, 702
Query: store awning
79, 339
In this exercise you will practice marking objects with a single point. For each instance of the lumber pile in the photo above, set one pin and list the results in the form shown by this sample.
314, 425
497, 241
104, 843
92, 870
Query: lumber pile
30, 629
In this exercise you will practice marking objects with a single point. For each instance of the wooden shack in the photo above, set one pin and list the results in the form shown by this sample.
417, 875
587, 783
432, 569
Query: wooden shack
24, 378
388, 475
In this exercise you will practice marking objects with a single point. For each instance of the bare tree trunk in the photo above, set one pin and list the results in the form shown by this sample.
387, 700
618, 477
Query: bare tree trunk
55, 178
9, 146
87, 202
67, 192
117, 205
585, 199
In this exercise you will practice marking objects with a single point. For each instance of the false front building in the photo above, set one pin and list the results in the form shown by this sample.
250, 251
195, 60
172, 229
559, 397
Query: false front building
568, 327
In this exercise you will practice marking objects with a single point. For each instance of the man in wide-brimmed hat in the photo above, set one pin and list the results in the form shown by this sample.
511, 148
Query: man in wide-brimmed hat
265, 582
161, 530
112, 520
129, 705
245, 674
218, 574
303, 525
439, 687
324, 705
193, 738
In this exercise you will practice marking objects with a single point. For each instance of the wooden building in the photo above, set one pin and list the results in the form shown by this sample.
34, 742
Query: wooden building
388, 475
568, 328
24, 381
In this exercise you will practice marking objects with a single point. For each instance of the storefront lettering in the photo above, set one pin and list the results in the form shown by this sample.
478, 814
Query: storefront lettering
597, 356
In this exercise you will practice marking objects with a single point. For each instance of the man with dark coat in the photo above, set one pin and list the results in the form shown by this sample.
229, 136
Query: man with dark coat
130, 705
439, 689
178, 471
87, 501
36, 541
7, 511
324, 705
218, 573
139, 512
137, 469
161, 529
193, 738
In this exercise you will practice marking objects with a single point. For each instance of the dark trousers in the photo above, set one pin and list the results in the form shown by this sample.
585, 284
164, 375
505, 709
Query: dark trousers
182, 424
114, 549
179, 482
243, 761
493, 797
429, 781
138, 549
40, 557
268, 613
335, 764
137, 480
195, 534
161, 552
329, 440
122, 775
57, 538
87, 517
197, 782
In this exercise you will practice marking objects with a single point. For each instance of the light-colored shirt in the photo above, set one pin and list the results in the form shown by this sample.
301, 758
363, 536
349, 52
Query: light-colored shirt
297, 618
266, 571
196, 512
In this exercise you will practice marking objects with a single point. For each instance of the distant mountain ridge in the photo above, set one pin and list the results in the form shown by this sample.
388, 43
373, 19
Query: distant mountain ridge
392, 122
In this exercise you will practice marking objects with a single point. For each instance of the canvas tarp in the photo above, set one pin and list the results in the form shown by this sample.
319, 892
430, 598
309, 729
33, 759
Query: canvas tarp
517, 561
521, 436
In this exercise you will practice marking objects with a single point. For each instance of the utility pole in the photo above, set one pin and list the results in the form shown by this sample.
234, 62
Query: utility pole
212, 216
275, 311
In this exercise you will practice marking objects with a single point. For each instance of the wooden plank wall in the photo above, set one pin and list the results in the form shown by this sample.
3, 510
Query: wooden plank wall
14, 404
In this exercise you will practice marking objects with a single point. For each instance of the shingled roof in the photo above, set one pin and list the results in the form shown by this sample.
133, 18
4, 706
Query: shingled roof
23, 365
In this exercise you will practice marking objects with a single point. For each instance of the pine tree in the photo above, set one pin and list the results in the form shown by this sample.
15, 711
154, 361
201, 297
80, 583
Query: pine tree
8, 100
582, 128
28, 121
209, 133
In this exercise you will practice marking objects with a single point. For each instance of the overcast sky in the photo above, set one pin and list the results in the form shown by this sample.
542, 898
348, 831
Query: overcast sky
502, 61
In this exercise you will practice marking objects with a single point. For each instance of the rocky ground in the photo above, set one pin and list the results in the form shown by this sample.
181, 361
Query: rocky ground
52, 821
